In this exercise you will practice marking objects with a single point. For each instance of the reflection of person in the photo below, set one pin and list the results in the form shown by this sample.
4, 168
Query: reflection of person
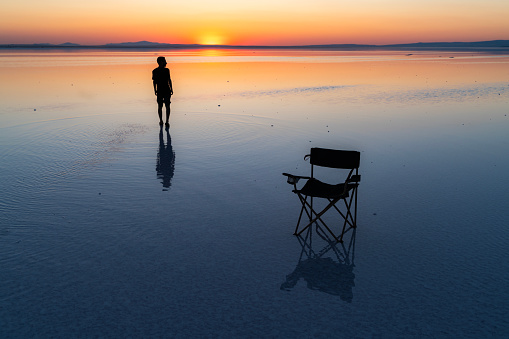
163, 89
165, 160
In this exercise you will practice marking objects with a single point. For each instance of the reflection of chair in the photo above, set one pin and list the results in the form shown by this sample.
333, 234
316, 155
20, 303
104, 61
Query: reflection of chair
331, 274
345, 191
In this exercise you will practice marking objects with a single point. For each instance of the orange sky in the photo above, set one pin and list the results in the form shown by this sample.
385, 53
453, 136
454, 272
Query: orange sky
264, 22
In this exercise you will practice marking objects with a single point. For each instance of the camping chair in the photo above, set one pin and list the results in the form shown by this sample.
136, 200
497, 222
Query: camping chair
334, 194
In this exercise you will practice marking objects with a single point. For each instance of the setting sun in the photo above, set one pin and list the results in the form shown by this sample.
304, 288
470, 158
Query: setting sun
211, 39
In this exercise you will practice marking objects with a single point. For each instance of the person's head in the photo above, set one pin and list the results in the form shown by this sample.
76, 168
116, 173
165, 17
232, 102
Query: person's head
161, 61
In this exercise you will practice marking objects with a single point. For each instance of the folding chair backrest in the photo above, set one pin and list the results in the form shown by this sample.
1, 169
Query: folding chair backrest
334, 158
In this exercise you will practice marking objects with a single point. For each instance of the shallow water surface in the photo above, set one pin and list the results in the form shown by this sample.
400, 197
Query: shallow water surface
111, 226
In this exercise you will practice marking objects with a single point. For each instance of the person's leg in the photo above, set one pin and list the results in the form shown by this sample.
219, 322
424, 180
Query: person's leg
168, 111
160, 112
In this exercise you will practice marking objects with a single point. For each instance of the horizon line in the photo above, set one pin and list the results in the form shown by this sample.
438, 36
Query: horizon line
157, 45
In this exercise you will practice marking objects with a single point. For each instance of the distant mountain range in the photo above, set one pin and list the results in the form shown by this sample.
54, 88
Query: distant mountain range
479, 45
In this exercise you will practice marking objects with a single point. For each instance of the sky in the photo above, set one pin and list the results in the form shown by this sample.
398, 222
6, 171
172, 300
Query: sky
248, 22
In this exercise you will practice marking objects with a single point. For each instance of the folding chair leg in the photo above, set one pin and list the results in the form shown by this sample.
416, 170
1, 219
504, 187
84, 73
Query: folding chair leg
298, 221
349, 217
318, 217
306, 243
304, 203
353, 223
355, 192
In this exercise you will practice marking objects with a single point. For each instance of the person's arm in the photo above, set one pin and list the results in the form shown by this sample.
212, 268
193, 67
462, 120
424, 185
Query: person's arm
169, 82
154, 83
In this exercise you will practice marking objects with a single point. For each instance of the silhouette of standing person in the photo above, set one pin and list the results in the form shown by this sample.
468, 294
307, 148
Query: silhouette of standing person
163, 89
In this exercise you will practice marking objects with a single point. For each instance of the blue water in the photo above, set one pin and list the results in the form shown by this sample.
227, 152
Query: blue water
113, 227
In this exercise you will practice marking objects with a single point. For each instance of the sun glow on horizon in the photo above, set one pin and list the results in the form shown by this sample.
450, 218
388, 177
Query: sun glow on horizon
211, 39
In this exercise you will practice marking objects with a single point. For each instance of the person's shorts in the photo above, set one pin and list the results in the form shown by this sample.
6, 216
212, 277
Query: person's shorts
164, 98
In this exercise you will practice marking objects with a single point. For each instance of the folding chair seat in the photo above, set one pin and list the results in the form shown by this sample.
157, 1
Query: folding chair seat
345, 192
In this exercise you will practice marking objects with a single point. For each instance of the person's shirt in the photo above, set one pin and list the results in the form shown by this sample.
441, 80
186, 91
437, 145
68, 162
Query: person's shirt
161, 77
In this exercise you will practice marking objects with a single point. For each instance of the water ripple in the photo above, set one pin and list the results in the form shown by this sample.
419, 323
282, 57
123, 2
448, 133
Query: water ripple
296, 90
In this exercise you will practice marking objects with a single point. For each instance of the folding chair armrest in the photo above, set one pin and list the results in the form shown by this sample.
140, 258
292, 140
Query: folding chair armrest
294, 179
354, 178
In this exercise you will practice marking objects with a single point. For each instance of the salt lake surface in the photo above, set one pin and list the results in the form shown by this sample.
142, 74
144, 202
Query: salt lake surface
112, 227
